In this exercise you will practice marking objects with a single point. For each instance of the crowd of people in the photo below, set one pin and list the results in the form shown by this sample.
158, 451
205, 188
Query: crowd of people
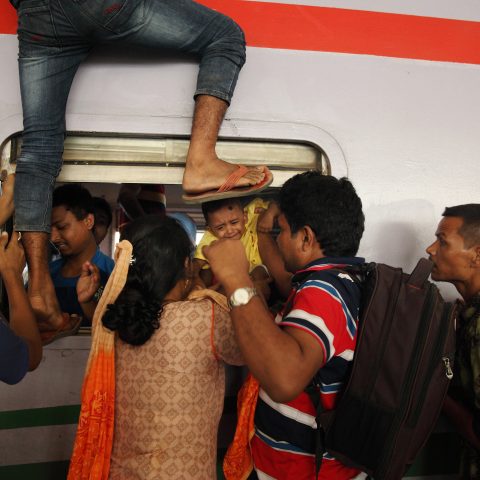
182, 312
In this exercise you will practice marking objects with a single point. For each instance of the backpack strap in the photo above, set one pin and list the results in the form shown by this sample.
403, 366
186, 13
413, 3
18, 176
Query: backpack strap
420, 273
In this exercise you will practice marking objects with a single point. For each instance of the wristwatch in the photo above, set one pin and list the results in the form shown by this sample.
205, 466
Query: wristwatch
241, 296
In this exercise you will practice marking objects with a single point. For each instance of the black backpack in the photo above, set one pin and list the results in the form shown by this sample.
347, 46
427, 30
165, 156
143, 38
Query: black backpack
400, 374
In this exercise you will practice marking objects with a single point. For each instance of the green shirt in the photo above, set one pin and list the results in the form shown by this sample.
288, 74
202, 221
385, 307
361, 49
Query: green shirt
467, 369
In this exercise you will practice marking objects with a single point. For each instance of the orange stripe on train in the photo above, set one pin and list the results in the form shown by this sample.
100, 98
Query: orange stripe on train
301, 27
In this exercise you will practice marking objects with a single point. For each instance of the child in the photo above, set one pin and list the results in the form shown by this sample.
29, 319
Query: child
227, 218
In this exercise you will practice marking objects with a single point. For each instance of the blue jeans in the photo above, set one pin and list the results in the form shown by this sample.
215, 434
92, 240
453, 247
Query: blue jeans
55, 36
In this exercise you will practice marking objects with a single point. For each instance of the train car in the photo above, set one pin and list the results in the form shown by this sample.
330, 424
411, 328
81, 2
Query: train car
385, 93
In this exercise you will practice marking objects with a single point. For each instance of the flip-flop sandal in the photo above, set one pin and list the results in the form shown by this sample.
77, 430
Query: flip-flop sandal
228, 189
70, 326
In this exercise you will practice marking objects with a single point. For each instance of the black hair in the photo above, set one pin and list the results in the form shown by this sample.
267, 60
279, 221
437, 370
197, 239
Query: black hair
160, 248
470, 214
100, 205
215, 205
330, 206
75, 198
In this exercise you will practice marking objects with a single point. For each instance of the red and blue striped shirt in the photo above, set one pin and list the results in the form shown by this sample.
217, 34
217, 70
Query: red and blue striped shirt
325, 304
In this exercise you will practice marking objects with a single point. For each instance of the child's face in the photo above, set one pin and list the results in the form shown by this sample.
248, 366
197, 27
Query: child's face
228, 222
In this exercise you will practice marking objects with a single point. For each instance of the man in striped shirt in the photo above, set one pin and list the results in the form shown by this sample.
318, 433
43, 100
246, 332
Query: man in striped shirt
321, 223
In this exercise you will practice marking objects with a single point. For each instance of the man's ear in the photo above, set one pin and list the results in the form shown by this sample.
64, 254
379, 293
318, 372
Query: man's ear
308, 237
89, 221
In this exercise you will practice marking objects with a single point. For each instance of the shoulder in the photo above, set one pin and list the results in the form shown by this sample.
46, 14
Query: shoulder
55, 266
103, 262
256, 203
207, 239
328, 289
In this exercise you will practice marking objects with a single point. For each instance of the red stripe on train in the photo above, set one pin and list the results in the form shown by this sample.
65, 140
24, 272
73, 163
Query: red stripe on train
301, 27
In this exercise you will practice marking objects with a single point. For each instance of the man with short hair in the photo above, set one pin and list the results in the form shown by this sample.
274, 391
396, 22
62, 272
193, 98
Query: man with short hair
456, 258
72, 234
321, 223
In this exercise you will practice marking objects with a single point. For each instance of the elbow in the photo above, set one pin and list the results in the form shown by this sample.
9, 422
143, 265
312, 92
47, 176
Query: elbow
35, 353
283, 392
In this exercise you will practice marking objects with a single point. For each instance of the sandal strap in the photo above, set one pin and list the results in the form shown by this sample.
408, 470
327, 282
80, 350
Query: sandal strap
233, 178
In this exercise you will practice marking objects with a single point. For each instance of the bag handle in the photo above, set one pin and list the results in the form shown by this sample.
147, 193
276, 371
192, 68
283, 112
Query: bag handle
420, 273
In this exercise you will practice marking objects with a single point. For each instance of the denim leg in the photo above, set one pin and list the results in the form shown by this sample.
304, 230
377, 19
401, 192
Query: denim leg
193, 28
46, 73
178, 25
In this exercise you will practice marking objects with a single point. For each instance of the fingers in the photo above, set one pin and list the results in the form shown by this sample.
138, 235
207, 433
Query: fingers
15, 246
3, 240
85, 269
90, 270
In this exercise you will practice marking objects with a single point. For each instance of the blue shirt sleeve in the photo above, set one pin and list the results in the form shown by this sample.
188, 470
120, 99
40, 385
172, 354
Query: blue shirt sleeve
13, 355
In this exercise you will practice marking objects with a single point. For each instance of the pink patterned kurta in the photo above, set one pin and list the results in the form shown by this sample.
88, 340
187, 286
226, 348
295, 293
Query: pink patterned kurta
169, 395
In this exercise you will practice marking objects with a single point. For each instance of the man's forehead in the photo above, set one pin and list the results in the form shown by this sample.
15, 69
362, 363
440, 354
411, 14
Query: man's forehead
61, 213
449, 226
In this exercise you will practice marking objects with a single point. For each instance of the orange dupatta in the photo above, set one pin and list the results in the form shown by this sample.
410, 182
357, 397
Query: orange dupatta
94, 439
238, 462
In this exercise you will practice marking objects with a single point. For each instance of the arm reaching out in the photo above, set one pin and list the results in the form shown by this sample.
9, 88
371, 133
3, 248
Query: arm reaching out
22, 318
284, 360
269, 251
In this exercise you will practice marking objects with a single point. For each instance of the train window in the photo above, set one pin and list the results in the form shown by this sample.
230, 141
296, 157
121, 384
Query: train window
86, 156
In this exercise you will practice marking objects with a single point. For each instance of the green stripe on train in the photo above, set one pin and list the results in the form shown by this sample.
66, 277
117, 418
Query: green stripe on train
39, 417
63, 415
37, 471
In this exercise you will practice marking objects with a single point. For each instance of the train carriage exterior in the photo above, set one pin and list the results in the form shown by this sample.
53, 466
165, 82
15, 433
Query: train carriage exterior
386, 93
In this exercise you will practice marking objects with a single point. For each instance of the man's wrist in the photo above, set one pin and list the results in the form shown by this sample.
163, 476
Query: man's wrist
238, 281
10, 275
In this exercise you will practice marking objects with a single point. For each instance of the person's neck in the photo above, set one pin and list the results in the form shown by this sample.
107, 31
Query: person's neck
178, 293
72, 266
468, 289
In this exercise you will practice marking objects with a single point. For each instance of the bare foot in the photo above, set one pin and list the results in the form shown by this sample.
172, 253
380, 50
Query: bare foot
46, 309
200, 177
41, 291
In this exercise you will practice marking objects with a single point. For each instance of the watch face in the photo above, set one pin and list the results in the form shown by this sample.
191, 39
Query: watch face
241, 296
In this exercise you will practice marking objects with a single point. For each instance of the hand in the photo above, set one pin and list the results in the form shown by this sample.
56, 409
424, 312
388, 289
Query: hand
262, 280
12, 257
228, 262
266, 219
88, 283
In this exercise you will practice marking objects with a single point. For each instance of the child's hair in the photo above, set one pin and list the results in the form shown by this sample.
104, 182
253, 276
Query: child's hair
215, 205
75, 198
160, 248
